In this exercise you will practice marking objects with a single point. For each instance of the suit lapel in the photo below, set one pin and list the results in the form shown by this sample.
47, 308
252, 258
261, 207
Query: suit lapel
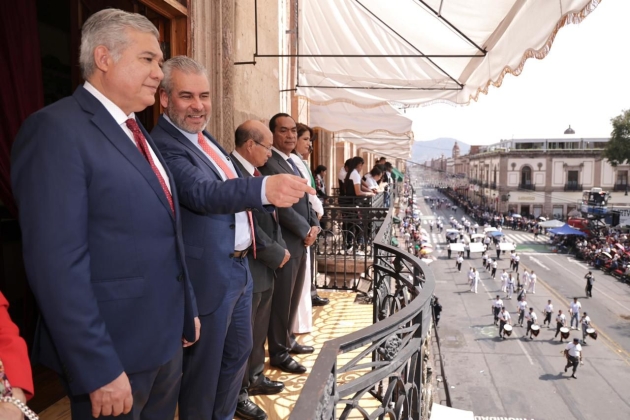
239, 167
283, 163
115, 134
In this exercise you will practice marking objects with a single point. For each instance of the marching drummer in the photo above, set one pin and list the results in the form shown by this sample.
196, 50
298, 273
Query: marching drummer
573, 353
504, 319
561, 322
496, 309
532, 319
586, 324
548, 312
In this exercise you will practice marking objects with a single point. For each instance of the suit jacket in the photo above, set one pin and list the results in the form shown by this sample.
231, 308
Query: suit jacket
267, 259
296, 221
102, 248
208, 205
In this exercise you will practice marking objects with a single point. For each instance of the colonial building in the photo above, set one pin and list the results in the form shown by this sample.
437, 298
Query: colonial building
543, 177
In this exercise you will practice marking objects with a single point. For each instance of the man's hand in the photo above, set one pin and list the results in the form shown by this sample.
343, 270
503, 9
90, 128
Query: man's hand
112, 399
312, 236
285, 190
287, 256
197, 333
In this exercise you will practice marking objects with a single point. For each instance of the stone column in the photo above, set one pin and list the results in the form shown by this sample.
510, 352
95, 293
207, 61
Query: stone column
212, 35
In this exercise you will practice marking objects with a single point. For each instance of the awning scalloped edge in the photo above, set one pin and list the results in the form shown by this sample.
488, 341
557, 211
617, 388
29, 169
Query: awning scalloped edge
348, 101
408, 134
569, 18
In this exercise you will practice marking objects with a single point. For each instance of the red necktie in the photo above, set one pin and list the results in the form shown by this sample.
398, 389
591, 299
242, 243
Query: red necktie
229, 173
257, 172
141, 142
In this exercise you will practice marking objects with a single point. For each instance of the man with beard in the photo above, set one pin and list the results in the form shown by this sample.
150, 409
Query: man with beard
218, 233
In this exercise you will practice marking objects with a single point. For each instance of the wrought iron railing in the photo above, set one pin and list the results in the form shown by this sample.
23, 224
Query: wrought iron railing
620, 187
572, 186
388, 369
344, 247
530, 187
377, 200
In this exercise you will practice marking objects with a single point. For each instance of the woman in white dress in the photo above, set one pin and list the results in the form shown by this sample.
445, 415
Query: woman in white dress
304, 317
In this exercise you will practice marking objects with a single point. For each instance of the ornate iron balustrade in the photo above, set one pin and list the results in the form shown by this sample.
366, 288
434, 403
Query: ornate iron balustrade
344, 247
377, 200
530, 187
572, 186
389, 367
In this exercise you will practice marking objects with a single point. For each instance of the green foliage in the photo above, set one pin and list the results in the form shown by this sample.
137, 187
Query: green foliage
617, 149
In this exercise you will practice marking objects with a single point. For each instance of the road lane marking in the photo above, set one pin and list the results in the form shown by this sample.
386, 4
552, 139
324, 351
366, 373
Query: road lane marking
537, 261
598, 290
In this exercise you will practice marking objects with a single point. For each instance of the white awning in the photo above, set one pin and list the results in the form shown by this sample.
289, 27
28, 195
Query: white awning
383, 143
412, 52
339, 117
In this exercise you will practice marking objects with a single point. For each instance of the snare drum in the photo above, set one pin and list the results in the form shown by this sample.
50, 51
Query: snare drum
535, 330
507, 330
564, 331
592, 333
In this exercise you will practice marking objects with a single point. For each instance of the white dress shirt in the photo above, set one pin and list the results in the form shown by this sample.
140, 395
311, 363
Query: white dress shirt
120, 118
574, 349
242, 231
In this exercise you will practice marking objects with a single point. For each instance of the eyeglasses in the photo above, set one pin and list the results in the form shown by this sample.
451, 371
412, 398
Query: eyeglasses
262, 145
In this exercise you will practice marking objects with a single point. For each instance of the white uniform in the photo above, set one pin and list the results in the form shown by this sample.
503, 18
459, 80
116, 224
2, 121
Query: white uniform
574, 350
475, 282
504, 281
532, 282
510, 287
526, 279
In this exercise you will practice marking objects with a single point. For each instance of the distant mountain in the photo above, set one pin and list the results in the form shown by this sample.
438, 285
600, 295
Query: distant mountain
422, 151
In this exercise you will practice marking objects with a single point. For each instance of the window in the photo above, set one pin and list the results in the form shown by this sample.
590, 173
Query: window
557, 211
537, 211
573, 180
621, 183
526, 176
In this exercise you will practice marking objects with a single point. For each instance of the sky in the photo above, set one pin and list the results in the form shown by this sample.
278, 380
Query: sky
584, 82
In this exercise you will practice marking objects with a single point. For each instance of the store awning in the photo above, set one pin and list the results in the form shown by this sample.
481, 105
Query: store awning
413, 52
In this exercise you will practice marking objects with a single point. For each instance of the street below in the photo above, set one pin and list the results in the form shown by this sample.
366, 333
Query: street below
519, 377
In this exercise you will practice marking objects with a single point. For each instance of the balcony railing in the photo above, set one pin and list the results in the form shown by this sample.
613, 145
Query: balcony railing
388, 369
530, 187
493, 185
572, 186
377, 200
620, 187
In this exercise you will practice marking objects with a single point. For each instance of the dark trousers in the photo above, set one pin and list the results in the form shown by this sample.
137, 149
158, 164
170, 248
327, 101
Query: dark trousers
501, 325
494, 272
547, 319
286, 299
529, 327
261, 311
521, 317
589, 290
459, 266
154, 394
572, 362
215, 365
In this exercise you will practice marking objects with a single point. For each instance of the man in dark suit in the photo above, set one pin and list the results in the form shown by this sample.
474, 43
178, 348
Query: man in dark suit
299, 229
216, 206
101, 232
253, 142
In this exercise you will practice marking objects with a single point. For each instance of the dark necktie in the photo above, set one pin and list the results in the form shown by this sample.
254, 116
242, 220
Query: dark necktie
295, 169
257, 172
141, 142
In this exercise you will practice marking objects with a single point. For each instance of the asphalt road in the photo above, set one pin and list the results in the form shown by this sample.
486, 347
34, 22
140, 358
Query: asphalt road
519, 377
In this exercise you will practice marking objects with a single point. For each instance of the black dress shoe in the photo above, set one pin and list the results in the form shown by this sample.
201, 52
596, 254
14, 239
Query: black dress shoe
266, 387
248, 410
320, 301
290, 366
300, 349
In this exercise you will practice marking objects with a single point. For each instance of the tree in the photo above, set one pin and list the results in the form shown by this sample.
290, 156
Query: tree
617, 150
